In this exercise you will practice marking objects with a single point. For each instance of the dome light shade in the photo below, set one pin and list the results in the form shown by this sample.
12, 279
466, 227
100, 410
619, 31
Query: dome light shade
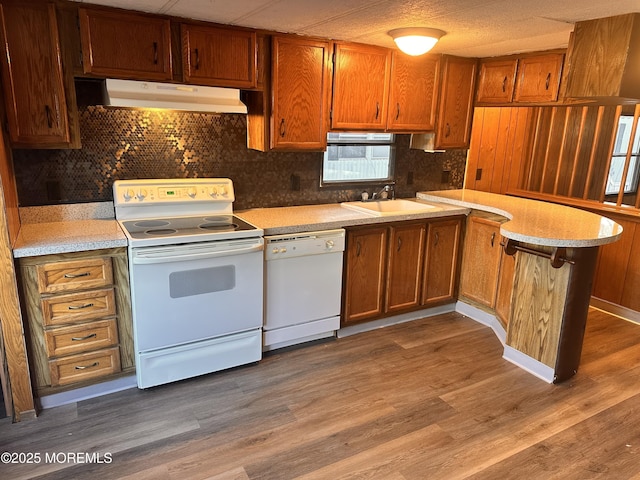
416, 40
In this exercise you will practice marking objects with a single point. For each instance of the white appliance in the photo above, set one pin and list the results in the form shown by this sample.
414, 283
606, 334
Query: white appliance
303, 287
196, 275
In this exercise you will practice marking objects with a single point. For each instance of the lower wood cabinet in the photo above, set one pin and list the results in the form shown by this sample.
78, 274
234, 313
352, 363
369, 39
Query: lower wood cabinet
399, 267
481, 260
78, 310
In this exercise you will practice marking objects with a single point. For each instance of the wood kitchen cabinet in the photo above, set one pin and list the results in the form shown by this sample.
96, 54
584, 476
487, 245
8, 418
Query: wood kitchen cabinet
78, 313
456, 103
360, 87
441, 261
404, 266
219, 56
301, 87
527, 78
32, 76
481, 260
119, 44
413, 94
365, 271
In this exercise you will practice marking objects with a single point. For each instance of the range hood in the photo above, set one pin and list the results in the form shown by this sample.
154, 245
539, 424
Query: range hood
192, 98
603, 60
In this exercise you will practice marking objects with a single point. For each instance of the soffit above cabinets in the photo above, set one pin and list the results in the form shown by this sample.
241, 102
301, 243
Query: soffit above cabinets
475, 28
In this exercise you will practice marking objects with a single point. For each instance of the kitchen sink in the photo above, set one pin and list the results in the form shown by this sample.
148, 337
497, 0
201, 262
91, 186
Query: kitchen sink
380, 208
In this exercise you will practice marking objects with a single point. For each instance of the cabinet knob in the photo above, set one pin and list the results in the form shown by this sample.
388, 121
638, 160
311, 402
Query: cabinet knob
493, 238
47, 110
397, 111
155, 53
546, 83
377, 110
197, 63
283, 130
504, 84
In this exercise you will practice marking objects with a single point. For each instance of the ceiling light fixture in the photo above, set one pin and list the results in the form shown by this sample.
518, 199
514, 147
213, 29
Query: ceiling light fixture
416, 40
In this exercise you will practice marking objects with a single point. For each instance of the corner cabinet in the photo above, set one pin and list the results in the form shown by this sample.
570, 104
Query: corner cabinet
219, 56
300, 81
32, 76
125, 44
413, 95
453, 128
360, 87
78, 313
399, 267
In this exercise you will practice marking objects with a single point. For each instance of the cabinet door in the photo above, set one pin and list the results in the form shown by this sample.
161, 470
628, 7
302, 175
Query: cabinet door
456, 103
539, 78
300, 82
496, 81
364, 274
217, 56
413, 95
360, 87
32, 76
481, 261
505, 288
441, 262
125, 45
406, 249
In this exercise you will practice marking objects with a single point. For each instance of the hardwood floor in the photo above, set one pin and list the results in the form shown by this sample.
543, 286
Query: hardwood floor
428, 399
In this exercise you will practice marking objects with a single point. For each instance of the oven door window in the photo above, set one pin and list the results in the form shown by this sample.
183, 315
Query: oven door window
202, 280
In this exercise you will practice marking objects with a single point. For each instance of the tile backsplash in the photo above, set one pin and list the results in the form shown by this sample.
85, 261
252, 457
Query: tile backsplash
125, 144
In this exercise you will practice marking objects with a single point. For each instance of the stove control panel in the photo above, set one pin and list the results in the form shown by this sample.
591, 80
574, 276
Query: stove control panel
172, 191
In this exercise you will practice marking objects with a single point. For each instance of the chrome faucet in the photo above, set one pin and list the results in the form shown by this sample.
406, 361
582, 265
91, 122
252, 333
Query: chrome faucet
383, 194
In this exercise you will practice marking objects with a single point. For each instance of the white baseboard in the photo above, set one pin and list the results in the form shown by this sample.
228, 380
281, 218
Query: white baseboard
91, 391
485, 318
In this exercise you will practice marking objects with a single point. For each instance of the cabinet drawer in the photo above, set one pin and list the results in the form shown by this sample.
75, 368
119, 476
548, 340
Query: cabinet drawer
76, 307
74, 275
84, 366
81, 338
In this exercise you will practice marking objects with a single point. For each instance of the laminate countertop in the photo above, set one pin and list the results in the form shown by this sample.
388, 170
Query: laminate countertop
533, 221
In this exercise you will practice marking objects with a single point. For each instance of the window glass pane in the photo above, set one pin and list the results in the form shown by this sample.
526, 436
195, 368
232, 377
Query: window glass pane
615, 176
358, 157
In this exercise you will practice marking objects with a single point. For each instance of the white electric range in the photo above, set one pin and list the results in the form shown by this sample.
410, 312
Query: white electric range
196, 274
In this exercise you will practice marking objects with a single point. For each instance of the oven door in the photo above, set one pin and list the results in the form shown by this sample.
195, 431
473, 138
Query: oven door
193, 292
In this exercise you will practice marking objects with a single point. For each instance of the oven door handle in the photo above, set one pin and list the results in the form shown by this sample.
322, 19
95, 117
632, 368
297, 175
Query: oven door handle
166, 257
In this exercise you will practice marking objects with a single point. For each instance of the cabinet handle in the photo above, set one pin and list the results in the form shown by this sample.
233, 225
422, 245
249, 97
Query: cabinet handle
197, 65
80, 307
358, 249
377, 110
47, 110
155, 53
437, 239
80, 339
399, 243
546, 84
84, 367
76, 275
493, 238
282, 128
447, 131
504, 84
398, 111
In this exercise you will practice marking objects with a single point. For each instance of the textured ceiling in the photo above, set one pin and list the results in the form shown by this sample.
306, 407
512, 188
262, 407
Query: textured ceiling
475, 28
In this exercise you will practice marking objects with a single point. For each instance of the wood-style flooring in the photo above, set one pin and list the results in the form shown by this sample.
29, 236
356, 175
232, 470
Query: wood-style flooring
430, 399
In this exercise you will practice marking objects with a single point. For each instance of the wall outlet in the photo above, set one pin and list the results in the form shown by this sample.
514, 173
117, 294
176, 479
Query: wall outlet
445, 176
294, 182
410, 178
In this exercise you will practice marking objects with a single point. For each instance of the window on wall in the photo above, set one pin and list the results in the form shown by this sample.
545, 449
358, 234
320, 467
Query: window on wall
621, 149
358, 158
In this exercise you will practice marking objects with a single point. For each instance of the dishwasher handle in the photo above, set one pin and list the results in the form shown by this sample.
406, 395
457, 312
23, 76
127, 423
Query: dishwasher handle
150, 258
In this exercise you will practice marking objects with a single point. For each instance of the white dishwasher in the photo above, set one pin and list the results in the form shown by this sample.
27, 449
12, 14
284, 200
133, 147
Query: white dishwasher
303, 287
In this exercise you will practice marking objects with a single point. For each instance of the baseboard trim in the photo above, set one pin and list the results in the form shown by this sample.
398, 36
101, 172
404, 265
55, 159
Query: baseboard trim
483, 317
85, 393
616, 310
531, 365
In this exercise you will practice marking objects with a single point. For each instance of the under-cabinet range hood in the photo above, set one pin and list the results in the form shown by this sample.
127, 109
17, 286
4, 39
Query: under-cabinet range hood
192, 98
603, 60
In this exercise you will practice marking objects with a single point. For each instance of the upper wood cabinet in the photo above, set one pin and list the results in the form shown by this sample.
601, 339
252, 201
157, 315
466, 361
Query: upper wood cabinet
538, 78
453, 128
125, 44
218, 56
32, 76
413, 95
360, 87
527, 78
300, 79
496, 80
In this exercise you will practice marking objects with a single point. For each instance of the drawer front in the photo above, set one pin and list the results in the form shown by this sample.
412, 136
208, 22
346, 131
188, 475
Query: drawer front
74, 275
78, 307
81, 338
84, 366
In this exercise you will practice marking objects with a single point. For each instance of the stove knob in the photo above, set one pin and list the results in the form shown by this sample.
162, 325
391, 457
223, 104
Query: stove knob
142, 194
222, 190
192, 192
329, 244
128, 194
213, 192
274, 251
283, 250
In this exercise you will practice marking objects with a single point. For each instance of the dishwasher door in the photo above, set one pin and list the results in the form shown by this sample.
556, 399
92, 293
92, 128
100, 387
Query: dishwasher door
303, 287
